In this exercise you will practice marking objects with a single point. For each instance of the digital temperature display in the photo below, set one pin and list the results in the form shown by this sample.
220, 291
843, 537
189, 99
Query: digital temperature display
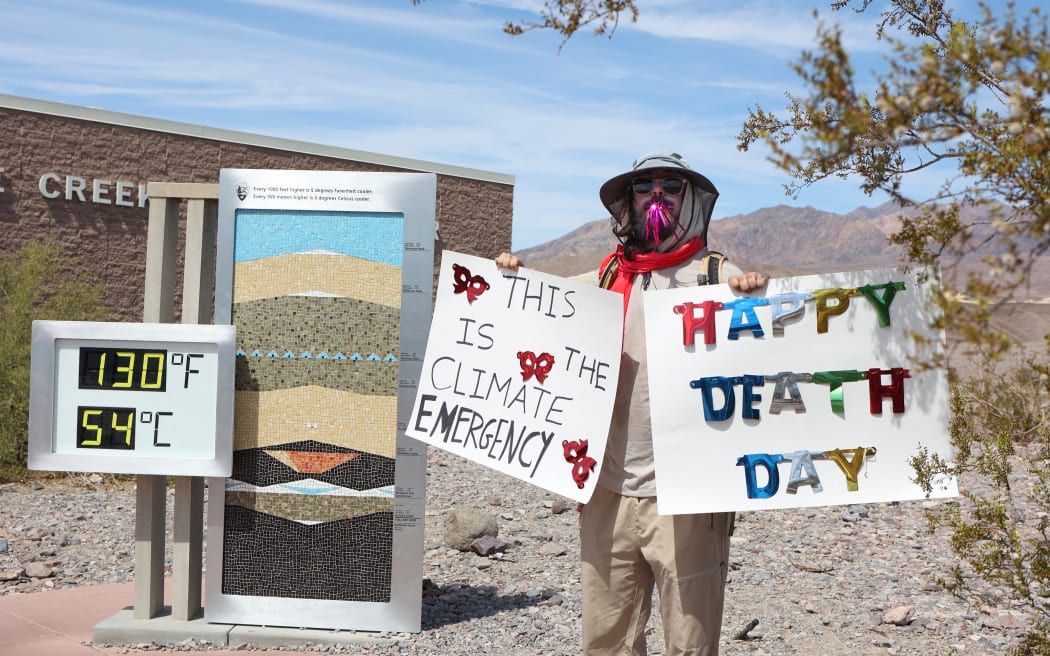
105, 428
132, 398
129, 369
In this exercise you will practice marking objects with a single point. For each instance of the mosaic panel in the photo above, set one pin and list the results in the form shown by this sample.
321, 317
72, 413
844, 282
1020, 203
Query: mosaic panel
349, 559
308, 510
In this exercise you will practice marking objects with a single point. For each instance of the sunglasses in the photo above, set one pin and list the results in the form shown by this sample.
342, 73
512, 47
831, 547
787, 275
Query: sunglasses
671, 186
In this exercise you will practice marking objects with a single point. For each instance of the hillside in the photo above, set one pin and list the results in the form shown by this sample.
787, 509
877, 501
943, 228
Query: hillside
780, 240
789, 241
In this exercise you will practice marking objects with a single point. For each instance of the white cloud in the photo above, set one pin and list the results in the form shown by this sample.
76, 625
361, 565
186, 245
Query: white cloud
432, 19
437, 82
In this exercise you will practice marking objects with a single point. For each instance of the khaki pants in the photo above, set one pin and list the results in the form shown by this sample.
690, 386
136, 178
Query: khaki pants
626, 548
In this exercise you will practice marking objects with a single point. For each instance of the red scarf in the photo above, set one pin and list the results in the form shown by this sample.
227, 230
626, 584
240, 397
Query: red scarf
645, 262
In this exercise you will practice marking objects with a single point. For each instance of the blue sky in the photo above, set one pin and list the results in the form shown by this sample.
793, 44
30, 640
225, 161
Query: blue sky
441, 82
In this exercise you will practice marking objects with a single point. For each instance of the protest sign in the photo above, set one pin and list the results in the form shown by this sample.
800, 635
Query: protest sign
802, 396
520, 373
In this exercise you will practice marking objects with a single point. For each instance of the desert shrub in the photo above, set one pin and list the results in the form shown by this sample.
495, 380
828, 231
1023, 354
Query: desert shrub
1000, 429
35, 283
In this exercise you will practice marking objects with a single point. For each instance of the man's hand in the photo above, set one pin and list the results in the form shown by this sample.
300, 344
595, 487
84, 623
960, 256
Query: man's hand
748, 282
509, 261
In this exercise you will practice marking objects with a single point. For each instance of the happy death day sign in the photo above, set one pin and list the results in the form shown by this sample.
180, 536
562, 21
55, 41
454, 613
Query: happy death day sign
801, 396
520, 373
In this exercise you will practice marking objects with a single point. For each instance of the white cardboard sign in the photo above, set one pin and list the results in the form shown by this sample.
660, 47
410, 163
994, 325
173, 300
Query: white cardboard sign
801, 396
520, 373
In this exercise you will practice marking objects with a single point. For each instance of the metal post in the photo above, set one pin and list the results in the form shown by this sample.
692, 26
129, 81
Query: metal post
198, 282
158, 307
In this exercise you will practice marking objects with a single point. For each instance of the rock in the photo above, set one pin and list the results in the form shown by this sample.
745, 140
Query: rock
36, 533
899, 616
487, 545
553, 549
463, 526
95, 478
742, 634
559, 506
1003, 620
37, 485
3, 546
38, 571
11, 574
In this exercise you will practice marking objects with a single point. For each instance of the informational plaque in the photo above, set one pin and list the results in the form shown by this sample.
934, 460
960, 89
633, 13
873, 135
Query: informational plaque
327, 277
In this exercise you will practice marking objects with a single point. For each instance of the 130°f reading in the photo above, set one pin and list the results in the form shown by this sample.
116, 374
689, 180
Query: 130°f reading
144, 370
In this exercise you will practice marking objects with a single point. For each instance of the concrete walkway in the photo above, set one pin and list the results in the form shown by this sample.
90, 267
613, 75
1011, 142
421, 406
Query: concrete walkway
67, 622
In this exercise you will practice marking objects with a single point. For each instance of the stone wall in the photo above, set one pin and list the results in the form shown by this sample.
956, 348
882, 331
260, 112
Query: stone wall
103, 169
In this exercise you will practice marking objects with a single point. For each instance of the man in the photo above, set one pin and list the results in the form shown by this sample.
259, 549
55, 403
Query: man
660, 211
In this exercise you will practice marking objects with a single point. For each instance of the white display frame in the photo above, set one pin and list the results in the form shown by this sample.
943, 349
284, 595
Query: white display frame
414, 196
198, 437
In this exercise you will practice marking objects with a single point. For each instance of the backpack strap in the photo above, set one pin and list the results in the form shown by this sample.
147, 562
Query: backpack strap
607, 271
711, 265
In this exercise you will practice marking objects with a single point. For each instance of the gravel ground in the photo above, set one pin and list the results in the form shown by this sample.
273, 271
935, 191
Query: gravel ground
818, 580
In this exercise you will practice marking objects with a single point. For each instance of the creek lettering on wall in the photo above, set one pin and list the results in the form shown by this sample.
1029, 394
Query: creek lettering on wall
100, 191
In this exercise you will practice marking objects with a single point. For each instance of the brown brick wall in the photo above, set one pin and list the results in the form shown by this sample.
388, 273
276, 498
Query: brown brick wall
108, 242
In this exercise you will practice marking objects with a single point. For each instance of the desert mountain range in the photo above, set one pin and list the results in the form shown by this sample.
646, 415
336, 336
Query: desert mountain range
790, 241
782, 240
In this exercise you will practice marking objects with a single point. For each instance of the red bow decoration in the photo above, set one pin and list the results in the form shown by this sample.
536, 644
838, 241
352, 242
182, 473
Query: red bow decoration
582, 464
533, 365
474, 286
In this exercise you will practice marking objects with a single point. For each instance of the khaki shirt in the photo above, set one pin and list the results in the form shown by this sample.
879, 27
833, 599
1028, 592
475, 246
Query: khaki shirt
628, 468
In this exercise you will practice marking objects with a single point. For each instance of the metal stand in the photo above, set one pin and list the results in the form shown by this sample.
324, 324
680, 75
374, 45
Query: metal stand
159, 307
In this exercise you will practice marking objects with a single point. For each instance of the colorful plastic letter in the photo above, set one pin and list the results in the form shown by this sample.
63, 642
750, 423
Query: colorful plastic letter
882, 304
769, 462
834, 379
692, 323
802, 460
750, 381
796, 306
849, 467
895, 390
705, 385
744, 317
837, 294
786, 394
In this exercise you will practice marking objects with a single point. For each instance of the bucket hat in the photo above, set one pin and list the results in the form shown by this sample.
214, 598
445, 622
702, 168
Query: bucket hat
614, 191
698, 202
